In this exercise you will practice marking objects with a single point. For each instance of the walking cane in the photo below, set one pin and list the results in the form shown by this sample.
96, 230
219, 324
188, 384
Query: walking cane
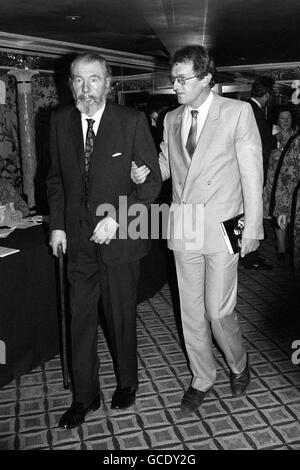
63, 317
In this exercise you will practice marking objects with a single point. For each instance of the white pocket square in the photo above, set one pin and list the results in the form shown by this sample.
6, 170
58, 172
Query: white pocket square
116, 154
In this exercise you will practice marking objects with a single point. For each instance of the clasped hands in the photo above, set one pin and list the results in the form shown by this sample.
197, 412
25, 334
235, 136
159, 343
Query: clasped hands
139, 174
104, 231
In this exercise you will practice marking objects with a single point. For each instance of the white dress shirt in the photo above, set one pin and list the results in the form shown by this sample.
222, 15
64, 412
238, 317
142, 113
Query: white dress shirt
97, 118
108, 225
201, 117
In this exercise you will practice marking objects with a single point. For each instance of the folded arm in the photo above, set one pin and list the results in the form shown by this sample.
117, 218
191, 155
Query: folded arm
139, 173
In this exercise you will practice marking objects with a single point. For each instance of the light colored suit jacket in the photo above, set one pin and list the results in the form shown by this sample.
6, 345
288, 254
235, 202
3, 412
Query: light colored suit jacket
223, 179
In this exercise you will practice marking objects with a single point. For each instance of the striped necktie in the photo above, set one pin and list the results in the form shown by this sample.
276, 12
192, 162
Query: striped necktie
192, 137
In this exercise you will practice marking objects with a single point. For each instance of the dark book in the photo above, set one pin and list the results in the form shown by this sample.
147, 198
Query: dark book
232, 230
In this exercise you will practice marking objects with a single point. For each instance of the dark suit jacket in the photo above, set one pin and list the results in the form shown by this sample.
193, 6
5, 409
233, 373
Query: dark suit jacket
122, 131
268, 140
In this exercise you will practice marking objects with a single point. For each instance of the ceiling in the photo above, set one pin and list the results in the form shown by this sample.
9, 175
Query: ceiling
238, 32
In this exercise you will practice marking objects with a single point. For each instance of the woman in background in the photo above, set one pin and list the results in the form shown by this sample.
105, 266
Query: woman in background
295, 220
286, 200
277, 157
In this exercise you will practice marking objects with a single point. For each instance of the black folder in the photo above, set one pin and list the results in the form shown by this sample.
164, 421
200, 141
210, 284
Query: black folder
232, 230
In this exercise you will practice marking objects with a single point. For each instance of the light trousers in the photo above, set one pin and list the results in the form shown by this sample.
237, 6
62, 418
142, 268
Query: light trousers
208, 292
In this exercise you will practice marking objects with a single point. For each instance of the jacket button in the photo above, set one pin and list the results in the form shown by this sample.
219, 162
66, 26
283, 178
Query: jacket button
209, 182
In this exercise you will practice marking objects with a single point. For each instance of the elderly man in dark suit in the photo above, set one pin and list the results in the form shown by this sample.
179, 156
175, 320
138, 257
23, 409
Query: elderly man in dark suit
92, 146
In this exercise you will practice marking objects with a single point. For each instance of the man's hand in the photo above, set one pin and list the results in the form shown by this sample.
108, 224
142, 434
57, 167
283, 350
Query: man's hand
139, 174
105, 231
281, 220
58, 237
248, 245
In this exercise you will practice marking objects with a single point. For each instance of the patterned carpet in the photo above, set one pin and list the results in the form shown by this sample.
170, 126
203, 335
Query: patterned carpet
267, 417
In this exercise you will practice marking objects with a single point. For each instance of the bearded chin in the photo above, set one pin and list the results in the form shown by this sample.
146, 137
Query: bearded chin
90, 107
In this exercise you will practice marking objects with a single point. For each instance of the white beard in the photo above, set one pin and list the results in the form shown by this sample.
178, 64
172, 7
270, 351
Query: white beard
89, 108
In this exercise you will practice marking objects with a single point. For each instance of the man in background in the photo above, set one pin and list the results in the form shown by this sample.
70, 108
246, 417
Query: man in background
261, 95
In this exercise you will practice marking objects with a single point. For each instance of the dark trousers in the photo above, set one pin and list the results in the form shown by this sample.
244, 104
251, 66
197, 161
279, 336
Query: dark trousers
89, 279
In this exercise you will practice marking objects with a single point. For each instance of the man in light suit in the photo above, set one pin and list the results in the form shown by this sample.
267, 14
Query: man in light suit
92, 146
214, 178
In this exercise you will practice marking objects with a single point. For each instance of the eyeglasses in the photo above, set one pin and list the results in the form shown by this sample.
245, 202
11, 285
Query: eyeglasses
182, 80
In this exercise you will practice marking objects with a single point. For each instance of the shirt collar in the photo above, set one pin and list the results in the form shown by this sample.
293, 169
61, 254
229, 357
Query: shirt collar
204, 106
96, 116
257, 102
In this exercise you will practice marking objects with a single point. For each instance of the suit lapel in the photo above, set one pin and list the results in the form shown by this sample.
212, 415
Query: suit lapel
77, 137
207, 134
183, 156
255, 107
208, 131
178, 136
105, 130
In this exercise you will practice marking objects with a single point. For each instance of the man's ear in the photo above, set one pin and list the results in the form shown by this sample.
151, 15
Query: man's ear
108, 83
70, 85
206, 79
267, 97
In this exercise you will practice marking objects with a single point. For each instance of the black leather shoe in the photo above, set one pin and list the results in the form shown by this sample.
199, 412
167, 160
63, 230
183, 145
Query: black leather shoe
75, 415
123, 398
239, 382
191, 400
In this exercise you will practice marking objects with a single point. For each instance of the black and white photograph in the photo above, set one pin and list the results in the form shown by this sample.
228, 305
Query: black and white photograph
149, 228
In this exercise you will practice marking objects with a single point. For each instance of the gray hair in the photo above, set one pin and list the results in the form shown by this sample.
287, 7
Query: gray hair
91, 57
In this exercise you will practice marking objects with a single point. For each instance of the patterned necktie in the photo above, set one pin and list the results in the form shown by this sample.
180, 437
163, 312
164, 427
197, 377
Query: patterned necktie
192, 137
89, 145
